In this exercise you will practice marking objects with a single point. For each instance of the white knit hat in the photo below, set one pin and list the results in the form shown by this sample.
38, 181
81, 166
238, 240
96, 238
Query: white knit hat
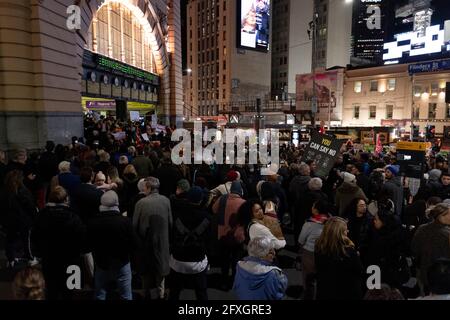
109, 202
348, 177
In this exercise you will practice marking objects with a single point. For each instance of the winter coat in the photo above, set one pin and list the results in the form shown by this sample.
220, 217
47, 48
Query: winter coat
359, 230
431, 241
129, 191
232, 205
388, 249
153, 223
257, 279
143, 166
394, 190
339, 278
168, 175
85, 201
59, 237
185, 247
18, 211
345, 194
112, 240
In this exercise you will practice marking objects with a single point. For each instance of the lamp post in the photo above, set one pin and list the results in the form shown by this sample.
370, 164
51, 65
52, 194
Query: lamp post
312, 33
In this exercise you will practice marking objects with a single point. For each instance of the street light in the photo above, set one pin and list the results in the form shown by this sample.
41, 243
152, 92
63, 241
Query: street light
312, 34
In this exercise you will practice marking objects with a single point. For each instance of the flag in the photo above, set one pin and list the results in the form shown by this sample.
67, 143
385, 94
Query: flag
379, 147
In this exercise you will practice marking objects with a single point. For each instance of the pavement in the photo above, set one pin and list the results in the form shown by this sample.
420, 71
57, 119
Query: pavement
286, 260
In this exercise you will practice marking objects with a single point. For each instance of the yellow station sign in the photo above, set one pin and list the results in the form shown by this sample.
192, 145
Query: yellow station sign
413, 146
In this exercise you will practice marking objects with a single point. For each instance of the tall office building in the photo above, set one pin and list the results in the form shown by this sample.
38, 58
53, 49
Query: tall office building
220, 70
292, 46
280, 48
373, 23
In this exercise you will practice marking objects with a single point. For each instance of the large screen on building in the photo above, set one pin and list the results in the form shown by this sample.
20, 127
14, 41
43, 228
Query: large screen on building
421, 32
254, 24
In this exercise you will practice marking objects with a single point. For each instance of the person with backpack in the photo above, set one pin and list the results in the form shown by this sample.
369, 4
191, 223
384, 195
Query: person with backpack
188, 259
229, 234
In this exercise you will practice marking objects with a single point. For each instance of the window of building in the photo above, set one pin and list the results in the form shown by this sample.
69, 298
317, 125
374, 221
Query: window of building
374, 85
223, 94
356, 112
224, 65
447, 111
432, 110
224, 36
434, 89
358, 86
372, 112
225, 5
285, 60
416, 111
224, 51
224, 20
389, 111
224, 79
391, 84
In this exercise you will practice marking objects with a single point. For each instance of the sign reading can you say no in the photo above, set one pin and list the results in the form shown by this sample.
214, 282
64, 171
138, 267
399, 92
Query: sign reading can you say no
324, 150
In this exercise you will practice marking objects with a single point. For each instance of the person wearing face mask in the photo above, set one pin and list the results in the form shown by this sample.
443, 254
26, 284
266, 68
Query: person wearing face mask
432, 241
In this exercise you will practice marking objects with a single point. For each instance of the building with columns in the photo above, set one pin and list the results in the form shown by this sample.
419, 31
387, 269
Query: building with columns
123, 55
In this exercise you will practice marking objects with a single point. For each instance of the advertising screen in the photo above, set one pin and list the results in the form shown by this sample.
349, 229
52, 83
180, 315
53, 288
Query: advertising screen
254, 24
421, 32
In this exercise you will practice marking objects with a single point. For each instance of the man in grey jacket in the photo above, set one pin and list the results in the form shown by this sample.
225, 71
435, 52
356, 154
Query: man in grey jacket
393, 187
152, 221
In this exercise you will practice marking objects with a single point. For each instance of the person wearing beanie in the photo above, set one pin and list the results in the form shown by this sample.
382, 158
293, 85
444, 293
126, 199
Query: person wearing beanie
433, 187
153, 216
347, 192
313, 194
113, 241
230, 236
188, 260
393, 187
431, 242
224, 188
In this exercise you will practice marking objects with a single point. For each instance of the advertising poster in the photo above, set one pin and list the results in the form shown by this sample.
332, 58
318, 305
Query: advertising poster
254, 25
324, 150
326, 92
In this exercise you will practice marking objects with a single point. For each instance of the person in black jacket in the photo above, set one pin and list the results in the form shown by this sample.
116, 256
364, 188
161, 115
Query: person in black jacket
359, 224
188, 260
17, 215
339, 269
48, 164
112, 241
388, 247
85, 199
59, 237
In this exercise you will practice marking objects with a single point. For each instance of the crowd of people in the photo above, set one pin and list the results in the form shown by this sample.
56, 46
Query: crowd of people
132, 220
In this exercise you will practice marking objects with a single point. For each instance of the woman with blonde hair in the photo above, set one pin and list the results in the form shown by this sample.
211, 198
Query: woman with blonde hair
29, 284
339, 270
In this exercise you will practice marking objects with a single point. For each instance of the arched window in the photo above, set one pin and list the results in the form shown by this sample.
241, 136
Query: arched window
115, 32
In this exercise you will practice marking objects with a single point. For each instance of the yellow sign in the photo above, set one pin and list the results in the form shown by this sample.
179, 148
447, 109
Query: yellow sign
413, 146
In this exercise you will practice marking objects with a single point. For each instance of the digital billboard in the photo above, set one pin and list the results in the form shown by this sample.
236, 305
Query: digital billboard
421, 32
254, 24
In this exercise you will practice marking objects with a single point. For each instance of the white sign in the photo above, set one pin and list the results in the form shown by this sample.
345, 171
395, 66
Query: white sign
134, 116
145, 137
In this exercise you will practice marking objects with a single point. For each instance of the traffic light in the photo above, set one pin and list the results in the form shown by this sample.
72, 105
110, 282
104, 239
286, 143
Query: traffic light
430, 132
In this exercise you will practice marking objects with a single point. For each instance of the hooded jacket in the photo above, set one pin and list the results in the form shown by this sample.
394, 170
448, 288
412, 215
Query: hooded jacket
394, 190
257, 279
345, 193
